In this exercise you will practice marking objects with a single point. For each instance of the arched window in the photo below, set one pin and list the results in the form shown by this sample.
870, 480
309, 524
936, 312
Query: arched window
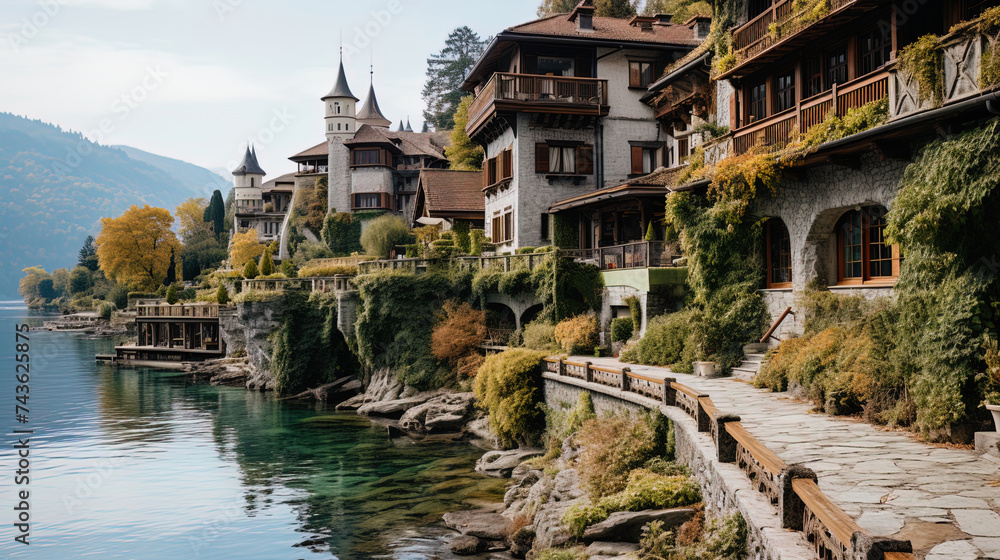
863, 255
336, 108
778, 251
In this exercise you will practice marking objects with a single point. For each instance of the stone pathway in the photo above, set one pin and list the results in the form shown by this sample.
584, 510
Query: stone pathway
945, 501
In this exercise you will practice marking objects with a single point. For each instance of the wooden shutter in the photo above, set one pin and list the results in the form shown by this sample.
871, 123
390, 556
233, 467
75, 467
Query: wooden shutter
486, 180
585, 160
541, 158
508, 164
634, 74
636, 160
733, 117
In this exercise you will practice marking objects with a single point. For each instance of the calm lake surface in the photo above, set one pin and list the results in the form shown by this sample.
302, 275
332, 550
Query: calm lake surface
142, 464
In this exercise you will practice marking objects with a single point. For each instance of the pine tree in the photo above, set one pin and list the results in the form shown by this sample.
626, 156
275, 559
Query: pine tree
222, 295
650, 232
215, 214
172, 295
250, 270
445, 73
463, 154
266, 264
88, 255
616, 8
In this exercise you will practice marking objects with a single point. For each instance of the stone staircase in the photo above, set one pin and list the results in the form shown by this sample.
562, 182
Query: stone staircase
753, 360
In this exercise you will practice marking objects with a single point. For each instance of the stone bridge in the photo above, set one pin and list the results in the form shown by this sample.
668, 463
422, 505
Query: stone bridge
809, 485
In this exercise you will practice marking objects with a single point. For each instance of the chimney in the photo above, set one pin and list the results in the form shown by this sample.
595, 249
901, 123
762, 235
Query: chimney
701, 25
663, 19
643, 23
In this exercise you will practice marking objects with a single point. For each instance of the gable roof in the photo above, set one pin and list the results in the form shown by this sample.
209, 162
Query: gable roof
607, 29
656, 183
319, 150
406, 143
284, 183
446, 193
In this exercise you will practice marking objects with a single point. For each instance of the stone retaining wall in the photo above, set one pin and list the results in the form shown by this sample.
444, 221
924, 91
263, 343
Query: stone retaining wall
724, 486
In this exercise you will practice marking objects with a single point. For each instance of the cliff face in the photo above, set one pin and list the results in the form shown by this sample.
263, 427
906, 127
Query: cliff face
247, 331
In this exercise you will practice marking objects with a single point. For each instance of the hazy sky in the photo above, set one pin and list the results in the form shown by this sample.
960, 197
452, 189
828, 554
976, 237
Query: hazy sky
194, 79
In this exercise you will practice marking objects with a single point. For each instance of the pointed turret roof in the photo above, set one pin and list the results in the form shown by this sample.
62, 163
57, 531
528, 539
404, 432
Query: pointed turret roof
408, 127
427, 127
370, 113
249, 165
341, 88
401, 127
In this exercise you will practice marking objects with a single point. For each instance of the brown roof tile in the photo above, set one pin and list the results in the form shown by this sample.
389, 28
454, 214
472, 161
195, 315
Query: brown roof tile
445, 190
320, 149
284, 183
606, 28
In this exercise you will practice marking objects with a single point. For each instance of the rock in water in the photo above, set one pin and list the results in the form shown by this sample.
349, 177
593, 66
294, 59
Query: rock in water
481, 524
467, 545
627, 525
500, 464
443, 413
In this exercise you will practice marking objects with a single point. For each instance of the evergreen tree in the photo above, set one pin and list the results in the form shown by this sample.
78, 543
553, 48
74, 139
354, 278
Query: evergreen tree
445, 73
230, 208
172, 295
222, 295
550, 7
215, 214
88, 254
463, 154
616, 8
250, 270
266, 264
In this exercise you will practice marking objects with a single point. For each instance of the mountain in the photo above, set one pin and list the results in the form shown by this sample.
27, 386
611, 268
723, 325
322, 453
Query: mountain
56, 185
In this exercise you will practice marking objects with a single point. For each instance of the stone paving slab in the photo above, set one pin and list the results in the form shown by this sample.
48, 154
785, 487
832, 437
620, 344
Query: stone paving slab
946, 501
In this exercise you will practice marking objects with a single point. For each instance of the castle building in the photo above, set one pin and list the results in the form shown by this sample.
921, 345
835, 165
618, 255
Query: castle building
259, 206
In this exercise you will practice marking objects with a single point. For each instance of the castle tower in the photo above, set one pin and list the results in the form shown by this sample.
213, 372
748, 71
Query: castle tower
370, 113
340, 106
248, 177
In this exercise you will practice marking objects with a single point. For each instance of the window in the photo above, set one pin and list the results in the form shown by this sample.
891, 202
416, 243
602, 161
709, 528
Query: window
369, 157
779, 255
645, 159
758, 103
564, 158
683, 149
546, 218
863, 254
640, 74
874, 46
253, 182
552, 66
369, 200
814, 77
336, 108
498, 169
503, 226
786, 91
836, 66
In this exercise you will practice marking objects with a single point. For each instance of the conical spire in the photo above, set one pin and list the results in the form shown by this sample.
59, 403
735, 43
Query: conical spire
427, 127
401, 127
249, 165
408, 127
341, 88
370, 113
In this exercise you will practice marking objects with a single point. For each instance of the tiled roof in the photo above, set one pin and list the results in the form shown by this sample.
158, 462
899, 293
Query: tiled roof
408, 143
658, 180
318, 150
605, 28
284, 183
367, 134
452, 191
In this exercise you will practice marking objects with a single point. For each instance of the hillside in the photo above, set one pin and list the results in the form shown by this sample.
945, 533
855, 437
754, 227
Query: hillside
55, 186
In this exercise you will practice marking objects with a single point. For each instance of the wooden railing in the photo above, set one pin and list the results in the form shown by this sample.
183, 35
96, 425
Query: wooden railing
190, 310
532, 88
772, 26
641, 254
775, 131
802, 506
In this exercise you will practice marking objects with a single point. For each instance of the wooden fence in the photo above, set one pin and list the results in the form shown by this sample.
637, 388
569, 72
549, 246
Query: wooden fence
802, 506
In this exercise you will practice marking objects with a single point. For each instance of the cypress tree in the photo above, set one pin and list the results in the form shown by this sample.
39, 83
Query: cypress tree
215, 214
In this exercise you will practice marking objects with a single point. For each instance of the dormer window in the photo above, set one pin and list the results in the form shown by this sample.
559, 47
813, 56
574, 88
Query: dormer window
585, 21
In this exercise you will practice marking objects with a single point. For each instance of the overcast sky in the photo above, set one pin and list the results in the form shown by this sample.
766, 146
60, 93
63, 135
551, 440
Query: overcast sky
194, 79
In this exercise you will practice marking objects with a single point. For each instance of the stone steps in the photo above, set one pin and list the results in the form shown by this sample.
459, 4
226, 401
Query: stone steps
747, 370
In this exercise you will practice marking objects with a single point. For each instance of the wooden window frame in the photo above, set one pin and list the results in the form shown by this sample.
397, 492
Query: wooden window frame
637, 152
884, 47
753, 105
866, 278
583, 158
636, 77
784, 97
382, 159
502, 226
384, 201
769, 232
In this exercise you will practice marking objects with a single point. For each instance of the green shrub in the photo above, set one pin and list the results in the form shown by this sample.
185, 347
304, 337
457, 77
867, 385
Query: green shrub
106, 310
383, 234
477, 238
509, 387
515, 283
250, 270
288, 268
540, 335
326, 271
172, 296
525, 250
621, 329
119, 296
635, 310
222, 295
133, 297
645, 490
577, 335
663, 343
266, 264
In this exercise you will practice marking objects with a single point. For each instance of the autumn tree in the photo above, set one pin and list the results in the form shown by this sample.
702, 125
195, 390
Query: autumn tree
136, 249
191, 223
245, 247
463, 154
445, 73
30, 285
88, 254
215, 214
457, 336
60, 281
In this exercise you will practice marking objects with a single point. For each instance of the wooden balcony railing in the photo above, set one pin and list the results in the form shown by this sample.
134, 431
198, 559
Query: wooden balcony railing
186, 310
773, 26
775, 131
590, 94
801, 505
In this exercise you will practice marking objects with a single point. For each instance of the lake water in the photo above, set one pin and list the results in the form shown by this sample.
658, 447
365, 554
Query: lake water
145, 465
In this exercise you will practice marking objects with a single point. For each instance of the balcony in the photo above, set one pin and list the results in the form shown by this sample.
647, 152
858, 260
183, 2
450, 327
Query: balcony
775, 131
642, 254
565, 100
779, 31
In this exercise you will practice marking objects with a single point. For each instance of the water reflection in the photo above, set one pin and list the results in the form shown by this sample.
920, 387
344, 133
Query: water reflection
146, 464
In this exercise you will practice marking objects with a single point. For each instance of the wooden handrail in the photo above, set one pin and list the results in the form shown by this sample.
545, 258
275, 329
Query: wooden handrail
653, 380
774, 327
686, 390
708, 406
771, 462
834, 518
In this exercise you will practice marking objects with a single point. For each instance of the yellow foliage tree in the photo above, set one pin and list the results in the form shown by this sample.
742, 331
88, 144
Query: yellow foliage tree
191, 222
135, 249
245, 247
